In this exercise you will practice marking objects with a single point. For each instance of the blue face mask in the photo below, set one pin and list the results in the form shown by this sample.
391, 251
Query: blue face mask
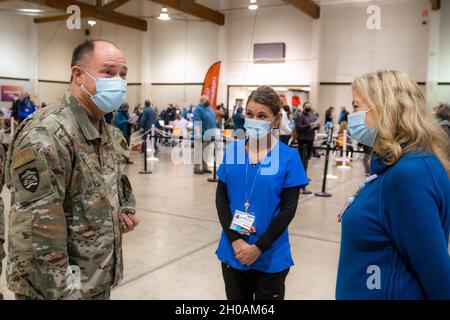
359, 130
257, 129
110, 93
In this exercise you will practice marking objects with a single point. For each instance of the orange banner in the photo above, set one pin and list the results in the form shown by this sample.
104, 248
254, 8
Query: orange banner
211, 84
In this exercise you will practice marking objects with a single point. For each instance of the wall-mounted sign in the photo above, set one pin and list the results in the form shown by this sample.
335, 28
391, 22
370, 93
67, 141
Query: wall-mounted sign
9, 91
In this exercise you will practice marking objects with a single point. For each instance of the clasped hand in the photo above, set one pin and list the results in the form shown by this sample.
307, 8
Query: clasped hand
245, 253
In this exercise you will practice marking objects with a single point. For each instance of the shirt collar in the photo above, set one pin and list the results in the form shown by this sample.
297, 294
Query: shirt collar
88, 128
377, 166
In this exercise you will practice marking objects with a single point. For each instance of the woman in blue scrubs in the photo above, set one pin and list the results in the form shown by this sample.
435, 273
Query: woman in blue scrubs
256, 199
395, 229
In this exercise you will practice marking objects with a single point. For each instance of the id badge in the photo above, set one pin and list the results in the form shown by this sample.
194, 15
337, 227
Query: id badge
242, 222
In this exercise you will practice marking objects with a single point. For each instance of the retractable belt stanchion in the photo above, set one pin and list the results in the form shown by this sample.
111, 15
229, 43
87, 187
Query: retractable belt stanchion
214, 178
323, 193
144, 145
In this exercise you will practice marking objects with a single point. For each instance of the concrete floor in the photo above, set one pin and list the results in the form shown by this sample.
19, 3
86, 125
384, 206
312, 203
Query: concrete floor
171, 254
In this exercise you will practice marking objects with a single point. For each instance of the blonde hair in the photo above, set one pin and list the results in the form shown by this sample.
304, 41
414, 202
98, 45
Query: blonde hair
404, 122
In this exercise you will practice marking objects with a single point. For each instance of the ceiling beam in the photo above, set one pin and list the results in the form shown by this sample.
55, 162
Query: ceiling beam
194, 9
309, 7
435, 4
51, 18
88, 10
113, 5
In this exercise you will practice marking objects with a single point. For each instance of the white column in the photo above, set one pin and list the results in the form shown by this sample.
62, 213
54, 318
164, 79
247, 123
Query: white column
146, 73
34, 51
315, 64
433, 58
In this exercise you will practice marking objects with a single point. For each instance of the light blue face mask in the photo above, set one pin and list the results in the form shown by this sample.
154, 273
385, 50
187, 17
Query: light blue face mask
110, 93
359, 130
257, 129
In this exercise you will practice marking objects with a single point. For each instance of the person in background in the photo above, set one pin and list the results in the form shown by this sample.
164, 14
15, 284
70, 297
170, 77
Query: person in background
27, 107
285, 130
220, 116
329, 115
239, 103
395, 229
342, 115
148, 120
124, 123
15, 107
343, 127
204, 121
306, 124
443, 116
255, 262
239, 122
181, 123
109, 117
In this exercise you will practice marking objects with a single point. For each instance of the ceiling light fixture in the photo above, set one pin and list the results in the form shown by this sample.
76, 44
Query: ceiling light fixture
30, 10
253, 5
164, 15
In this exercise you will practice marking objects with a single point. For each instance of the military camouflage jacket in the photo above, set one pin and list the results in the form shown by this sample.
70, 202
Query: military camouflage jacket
63, 173
2, 217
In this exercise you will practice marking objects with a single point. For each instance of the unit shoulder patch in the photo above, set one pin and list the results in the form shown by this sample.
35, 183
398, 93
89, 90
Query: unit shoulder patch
23, 157
29, 179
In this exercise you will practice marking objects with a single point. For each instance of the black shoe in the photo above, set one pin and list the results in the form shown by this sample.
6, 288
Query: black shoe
129, 162
198, 172
207, 171
305, 191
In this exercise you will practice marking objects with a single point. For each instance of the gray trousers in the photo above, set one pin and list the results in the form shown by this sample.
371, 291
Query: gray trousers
199, 154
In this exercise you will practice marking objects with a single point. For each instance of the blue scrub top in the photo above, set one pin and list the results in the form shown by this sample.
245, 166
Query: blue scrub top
281, 169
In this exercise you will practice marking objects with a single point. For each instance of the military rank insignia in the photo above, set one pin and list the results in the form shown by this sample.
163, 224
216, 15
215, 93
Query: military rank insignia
30, 179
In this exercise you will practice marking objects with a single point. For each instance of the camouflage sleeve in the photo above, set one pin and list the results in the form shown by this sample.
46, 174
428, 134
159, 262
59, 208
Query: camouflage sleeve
38, 171
122, 151
2, 208
126, 196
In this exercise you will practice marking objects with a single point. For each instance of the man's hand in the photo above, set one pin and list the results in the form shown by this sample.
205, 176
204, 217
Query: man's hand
248, 255
129, 221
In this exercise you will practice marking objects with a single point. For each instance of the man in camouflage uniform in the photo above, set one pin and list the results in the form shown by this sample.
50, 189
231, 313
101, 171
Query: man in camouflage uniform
67, 211
2, 207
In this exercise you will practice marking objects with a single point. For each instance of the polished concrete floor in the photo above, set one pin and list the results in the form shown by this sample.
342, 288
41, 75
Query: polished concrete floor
171, 255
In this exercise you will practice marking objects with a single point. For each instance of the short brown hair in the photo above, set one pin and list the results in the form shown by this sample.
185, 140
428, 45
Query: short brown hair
268, 97
443, 112
84, 49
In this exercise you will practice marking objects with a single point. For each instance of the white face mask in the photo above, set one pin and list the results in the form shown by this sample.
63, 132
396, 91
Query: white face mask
110, 93
257, 129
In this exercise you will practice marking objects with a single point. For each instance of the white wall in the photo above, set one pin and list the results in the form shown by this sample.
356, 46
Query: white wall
279, 24
444, 54
348, 48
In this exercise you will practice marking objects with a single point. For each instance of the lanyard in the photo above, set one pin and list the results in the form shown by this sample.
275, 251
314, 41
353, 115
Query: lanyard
247, 196
353, 197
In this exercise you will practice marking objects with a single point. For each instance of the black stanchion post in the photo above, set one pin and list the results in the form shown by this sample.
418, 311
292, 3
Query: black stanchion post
323, 193
144, 145
214, 178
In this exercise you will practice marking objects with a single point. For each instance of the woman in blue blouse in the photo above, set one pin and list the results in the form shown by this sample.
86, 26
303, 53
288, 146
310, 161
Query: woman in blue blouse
395, 229
257, 196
